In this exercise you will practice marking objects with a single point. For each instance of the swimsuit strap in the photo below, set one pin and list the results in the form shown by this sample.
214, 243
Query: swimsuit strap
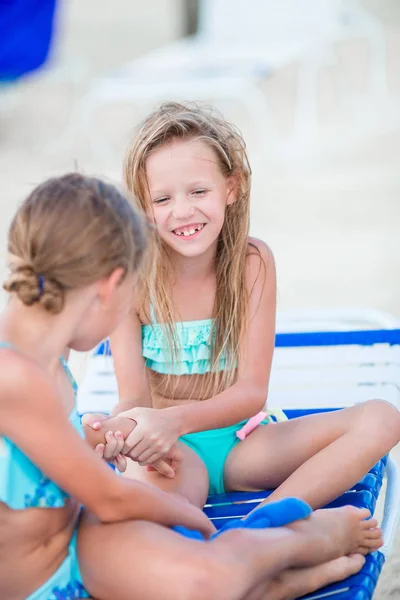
6, 345
67, 370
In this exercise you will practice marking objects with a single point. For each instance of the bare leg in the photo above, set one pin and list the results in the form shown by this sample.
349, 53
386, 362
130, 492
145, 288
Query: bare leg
146, 561
294, 583
315, 458
190, 481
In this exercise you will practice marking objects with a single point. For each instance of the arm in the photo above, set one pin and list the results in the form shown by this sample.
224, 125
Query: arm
28, 403
134, 391
130, 370
248, 395
158, 430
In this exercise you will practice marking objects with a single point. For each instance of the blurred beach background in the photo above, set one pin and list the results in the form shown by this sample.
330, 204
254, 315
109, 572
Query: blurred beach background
326, 193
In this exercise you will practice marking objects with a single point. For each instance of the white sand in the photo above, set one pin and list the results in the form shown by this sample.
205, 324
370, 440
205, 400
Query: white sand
331, 216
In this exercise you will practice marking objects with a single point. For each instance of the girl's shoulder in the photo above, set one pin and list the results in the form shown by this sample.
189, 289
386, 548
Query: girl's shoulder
258, 248
140, 310
260, 274
19, 380
14, 366
259, 257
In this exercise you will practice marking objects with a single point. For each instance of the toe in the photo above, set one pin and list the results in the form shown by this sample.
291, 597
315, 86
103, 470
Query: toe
373, 534
370, 523
364, 513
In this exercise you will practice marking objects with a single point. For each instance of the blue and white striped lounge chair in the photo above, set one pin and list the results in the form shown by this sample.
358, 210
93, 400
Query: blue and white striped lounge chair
323, 361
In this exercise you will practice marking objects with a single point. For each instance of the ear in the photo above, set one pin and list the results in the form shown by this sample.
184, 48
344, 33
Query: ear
232, 190
107, 285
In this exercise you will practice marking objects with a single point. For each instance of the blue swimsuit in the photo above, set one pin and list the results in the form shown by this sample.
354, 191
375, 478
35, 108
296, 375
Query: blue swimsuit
23, 485
194, 340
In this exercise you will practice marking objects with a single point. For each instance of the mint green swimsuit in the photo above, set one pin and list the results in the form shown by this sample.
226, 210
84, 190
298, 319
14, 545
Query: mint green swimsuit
22, 486
193, 357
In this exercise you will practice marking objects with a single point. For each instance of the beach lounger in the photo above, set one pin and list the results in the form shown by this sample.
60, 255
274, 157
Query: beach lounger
322, 361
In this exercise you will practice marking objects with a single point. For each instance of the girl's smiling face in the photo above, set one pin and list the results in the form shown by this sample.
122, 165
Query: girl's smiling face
189, 195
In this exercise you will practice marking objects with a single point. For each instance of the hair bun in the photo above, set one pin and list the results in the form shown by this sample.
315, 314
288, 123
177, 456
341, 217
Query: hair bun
25, 283
32, 288
52, 297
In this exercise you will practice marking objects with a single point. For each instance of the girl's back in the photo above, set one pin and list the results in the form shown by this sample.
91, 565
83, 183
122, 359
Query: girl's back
35, 513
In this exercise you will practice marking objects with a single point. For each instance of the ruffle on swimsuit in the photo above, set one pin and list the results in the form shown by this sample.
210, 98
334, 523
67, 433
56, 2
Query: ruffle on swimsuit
193, 354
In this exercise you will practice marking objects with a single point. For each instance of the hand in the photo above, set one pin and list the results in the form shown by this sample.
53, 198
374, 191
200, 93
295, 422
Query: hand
114, 442
119, 462
156, 431
164, 465
193, 517
202, 523
111, 450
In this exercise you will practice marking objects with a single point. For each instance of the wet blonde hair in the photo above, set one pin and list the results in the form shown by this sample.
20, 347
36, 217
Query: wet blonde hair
70, 232
173, 121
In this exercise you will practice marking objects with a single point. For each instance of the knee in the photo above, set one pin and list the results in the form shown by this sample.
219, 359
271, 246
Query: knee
381, 421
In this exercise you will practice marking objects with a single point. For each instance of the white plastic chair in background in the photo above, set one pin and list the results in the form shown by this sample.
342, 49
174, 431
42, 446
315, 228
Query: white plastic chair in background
239, 44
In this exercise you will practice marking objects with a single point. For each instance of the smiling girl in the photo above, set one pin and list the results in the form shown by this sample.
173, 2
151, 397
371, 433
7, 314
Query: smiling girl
193, 358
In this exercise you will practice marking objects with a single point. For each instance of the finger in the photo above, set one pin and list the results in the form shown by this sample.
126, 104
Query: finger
99, 449
209, 530
93, 420
129, 414
152, 458
120, 441
133, 439
164, 468
140, 448
110, 450
120, 463
175, 455
153, 453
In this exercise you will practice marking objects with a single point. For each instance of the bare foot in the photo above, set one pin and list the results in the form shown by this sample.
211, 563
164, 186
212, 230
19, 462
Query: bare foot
325, 536
294, 583
349, 529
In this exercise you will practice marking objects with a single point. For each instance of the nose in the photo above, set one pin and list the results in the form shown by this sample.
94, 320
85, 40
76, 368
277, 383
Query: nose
183, 209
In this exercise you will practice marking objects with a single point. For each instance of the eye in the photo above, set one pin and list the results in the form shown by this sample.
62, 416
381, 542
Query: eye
160, 200
199, 192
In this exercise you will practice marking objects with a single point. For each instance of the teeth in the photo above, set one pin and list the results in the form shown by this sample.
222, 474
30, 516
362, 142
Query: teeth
188, 232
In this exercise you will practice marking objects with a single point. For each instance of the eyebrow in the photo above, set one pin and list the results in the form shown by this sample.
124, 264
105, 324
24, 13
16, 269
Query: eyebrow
191, 184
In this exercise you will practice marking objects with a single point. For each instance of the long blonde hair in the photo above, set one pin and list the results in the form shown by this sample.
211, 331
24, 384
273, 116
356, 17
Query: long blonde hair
70, 232
174, 121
